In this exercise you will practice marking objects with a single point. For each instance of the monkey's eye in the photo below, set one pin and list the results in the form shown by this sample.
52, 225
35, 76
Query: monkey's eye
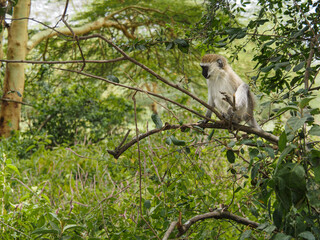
220, 63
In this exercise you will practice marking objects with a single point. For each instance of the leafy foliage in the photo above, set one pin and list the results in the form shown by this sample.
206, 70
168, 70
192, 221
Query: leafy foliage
80, 114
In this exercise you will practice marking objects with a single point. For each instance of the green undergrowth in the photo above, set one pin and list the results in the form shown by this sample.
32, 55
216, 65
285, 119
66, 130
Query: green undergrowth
82, 192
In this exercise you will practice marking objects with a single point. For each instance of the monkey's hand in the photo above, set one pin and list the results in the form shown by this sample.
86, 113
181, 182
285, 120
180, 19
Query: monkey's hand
231, 116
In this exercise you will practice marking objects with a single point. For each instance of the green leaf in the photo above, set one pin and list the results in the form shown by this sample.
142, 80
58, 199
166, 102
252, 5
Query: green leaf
270, 152
263, 226
292, 108
71, 226
177, 142
280, 65
315, 130
254, 171
304, 102
42, 231
282, 141
294, 123
147, 204
183, 45
151, 190
169, 45
211, 135
245, 234
267, 68
168, 141
230, 156
301, 32
253, 153
270, 229
14, 168
55, 226
277, 217
282, 236
275, 59
290, 185
307, 235
299, 66
284, 153
113, 78
157, 121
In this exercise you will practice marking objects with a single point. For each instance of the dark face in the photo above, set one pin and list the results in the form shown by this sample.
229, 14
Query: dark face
205, 71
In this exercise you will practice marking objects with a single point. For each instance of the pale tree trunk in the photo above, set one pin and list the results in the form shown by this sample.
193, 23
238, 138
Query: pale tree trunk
14, 76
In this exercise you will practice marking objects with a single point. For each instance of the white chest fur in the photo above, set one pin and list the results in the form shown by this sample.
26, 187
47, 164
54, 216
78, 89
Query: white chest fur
217, 84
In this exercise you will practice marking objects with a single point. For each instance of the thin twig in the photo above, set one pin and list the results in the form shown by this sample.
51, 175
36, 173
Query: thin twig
124, 139
136, 89
14, 229
140, 169
73, 34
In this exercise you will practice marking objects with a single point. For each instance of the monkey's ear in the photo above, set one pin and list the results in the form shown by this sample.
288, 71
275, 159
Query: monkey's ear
220, 63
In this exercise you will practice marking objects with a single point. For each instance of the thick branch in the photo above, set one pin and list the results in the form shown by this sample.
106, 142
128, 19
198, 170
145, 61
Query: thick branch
218, 125
104, 22
116, 153
218, 214
89, 27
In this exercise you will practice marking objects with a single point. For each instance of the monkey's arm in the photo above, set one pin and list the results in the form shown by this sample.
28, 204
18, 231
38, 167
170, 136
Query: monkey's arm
211, 103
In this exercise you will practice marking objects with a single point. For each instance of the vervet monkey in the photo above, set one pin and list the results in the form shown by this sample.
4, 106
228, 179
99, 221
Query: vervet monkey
224, 83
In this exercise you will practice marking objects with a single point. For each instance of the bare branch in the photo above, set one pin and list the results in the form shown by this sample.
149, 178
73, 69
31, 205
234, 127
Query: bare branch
169, 231
140, 168
14, 229
75, 37
217, 214
15, 101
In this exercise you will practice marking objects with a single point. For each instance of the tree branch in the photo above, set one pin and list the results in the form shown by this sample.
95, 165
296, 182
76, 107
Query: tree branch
176, 86
137, 89
104, 22
217, 214
116, 153
64, 62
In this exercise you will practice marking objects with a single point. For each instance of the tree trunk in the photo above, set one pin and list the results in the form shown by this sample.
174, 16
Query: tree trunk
14, 76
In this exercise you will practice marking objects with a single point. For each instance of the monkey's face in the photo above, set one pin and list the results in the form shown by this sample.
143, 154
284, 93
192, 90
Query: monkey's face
205, 71
212, 64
